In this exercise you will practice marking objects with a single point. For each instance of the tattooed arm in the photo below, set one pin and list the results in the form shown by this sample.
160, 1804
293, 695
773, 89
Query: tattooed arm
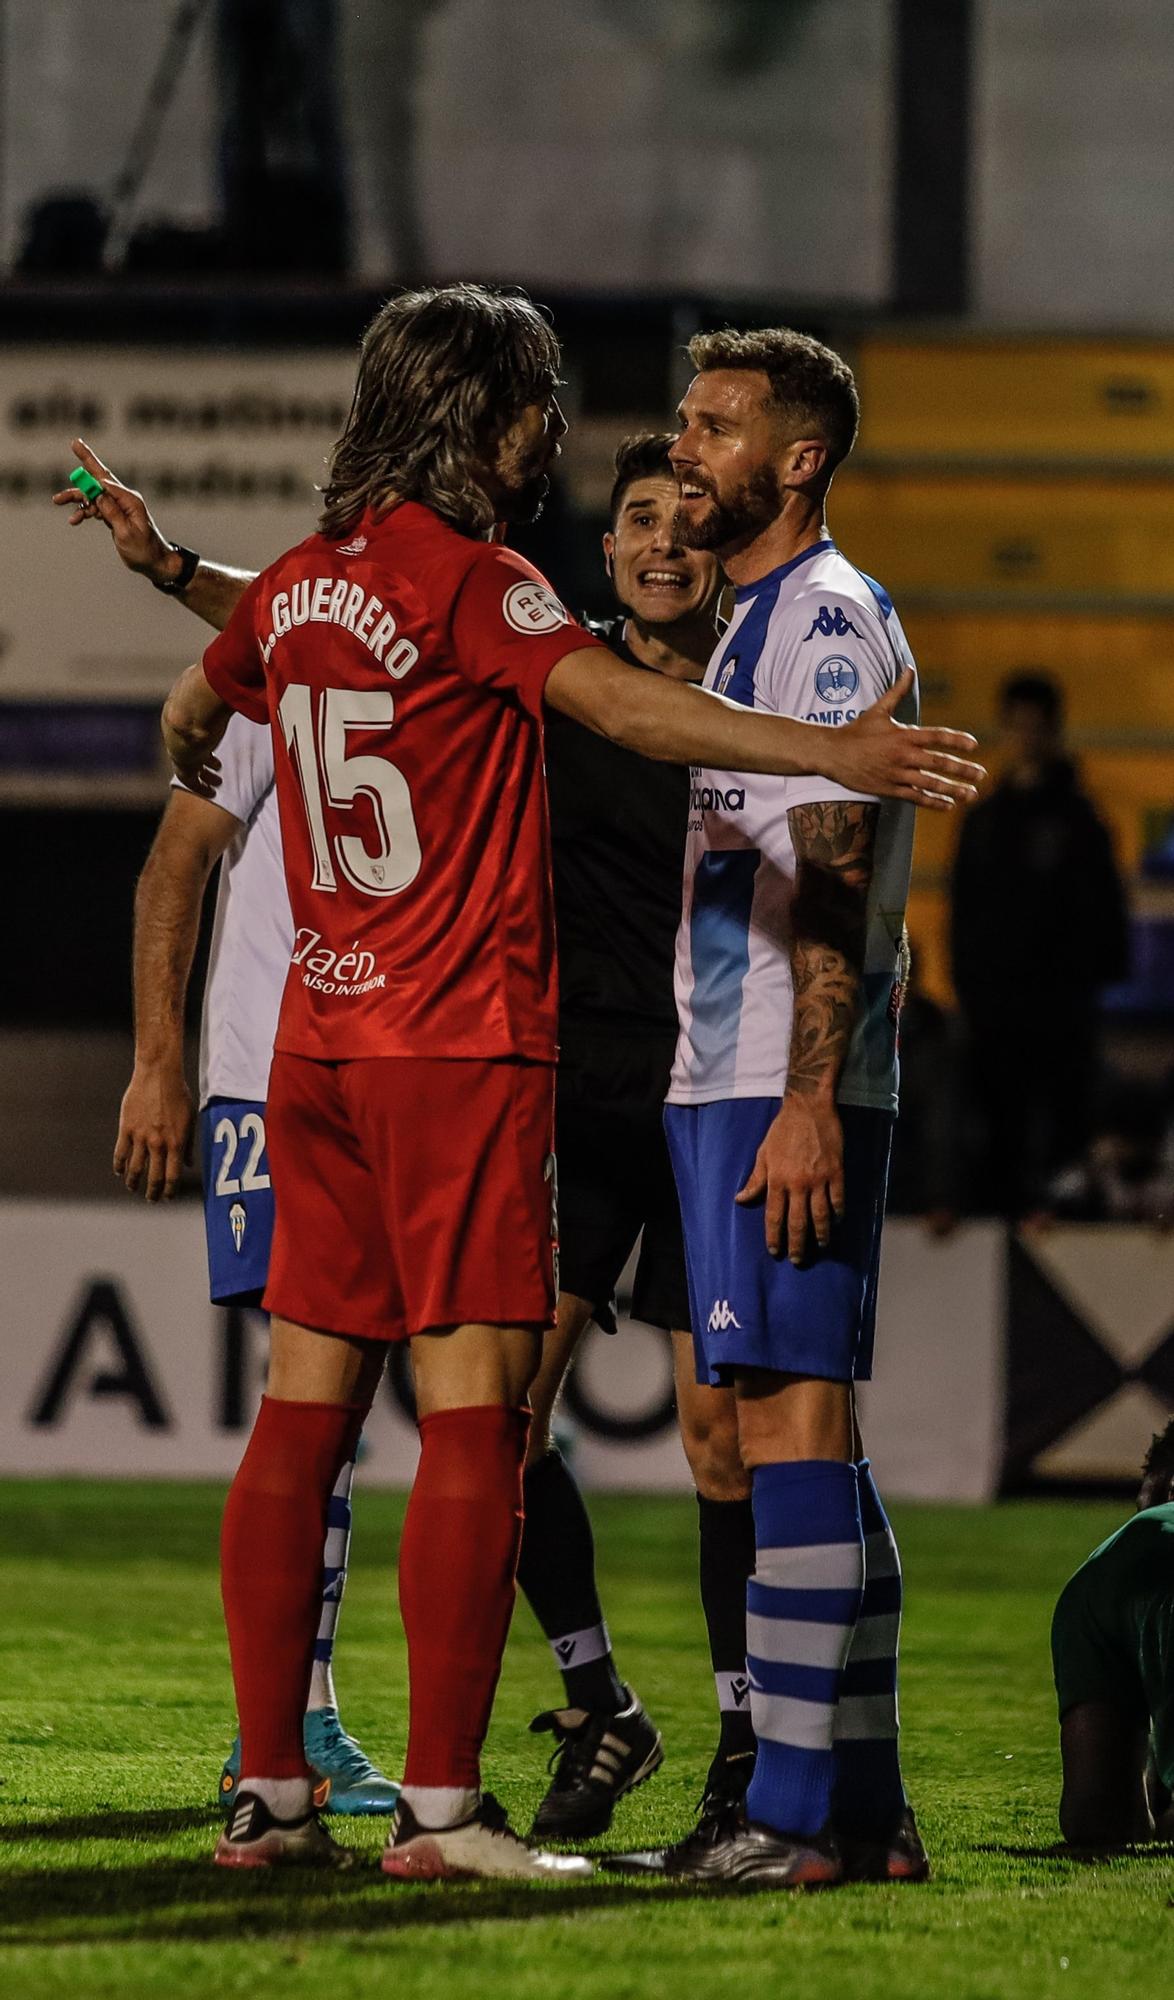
800, 1164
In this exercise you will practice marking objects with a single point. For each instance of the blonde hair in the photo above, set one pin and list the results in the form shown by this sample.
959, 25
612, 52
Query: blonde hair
442, 372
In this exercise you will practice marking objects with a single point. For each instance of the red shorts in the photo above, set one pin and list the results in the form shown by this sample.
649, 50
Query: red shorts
411, 1193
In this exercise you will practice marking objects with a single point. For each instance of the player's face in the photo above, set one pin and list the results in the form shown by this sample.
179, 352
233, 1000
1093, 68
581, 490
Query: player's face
655, 577
727, 460
525, 452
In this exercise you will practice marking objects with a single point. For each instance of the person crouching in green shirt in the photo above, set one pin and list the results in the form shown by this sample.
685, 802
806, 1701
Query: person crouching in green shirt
1113, 1660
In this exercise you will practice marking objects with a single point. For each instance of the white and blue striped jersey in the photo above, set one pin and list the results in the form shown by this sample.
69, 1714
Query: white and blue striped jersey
252, 933
818, 640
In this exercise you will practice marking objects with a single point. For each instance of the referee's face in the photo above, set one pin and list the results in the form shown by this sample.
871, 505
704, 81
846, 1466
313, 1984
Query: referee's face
657, 579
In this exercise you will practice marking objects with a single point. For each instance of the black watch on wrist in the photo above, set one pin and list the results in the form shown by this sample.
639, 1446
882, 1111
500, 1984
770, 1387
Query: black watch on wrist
189, 563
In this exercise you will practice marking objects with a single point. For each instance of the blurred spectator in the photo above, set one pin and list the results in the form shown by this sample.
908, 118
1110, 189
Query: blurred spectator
281, 150
1126, 1173
927, 1174
1038, 927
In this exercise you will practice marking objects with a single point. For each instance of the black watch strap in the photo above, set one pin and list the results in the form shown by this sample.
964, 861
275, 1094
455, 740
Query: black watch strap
189, 563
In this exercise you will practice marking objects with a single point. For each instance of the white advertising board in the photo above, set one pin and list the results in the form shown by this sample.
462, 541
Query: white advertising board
228, 449
112, 1363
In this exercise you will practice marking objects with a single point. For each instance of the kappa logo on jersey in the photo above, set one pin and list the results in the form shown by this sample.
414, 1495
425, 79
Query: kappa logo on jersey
836, 679
532, 607
721, 1319
236, 1222
831, 624
354, 548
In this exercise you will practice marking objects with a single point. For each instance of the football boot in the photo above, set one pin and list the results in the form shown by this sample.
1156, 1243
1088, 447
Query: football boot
597, 1758
482, 1847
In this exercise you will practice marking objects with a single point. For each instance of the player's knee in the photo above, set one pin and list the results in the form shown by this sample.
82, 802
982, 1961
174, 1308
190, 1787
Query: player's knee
715, 1458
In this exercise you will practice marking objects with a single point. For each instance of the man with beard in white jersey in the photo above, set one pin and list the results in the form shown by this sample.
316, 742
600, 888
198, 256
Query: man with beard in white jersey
790, 962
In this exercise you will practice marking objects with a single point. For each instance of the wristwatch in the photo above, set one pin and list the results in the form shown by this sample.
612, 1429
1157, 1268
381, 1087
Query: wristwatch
189, 563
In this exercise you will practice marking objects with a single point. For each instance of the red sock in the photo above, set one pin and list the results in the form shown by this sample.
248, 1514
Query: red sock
457, 1561
271, 1572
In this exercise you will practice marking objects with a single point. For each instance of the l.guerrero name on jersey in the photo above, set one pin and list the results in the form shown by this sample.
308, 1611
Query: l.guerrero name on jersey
402, 672
818, 640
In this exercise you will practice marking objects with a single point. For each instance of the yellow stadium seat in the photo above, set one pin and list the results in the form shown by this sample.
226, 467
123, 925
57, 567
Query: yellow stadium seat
1117, 671
1031, 399
941, 536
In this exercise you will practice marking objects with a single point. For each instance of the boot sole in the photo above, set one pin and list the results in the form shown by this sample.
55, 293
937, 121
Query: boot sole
423, 1860
271, 1852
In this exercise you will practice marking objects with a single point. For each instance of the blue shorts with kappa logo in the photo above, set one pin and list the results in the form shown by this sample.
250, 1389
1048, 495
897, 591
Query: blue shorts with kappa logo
238, 1200
752, 1310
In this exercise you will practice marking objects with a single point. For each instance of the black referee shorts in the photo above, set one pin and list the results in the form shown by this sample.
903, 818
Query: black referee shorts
615, 1180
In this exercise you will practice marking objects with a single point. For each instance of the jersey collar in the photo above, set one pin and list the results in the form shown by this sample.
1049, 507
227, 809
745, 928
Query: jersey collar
774, 577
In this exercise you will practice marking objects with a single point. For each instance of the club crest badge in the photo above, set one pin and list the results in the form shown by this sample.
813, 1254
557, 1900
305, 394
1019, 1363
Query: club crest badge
236, 1222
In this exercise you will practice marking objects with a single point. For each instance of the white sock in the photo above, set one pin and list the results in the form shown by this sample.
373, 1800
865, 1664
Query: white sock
335, 1556
322, 1693
286, 1798
440, 1806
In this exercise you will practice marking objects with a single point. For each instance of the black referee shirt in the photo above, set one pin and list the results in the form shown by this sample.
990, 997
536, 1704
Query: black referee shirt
618, 825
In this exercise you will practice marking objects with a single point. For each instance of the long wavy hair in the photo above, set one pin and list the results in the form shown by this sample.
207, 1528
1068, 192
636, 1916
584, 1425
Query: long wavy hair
442, 373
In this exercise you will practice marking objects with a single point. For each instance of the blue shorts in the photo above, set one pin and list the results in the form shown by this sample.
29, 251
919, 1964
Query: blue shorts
752, 1310
238, 1200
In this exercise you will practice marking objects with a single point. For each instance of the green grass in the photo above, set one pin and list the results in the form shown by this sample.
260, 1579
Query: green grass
115, 1708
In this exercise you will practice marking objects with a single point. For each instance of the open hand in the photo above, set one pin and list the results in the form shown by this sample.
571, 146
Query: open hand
137, 539
799, 1174
894, 760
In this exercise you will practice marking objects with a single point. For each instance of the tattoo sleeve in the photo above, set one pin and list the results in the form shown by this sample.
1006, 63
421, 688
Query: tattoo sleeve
833, 851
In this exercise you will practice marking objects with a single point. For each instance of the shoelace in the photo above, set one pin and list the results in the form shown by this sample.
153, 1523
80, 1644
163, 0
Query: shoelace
718, 1819
350, 1761
494, 1818
574, 1750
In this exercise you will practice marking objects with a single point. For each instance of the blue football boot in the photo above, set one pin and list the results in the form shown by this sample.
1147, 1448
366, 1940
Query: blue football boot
348, 1781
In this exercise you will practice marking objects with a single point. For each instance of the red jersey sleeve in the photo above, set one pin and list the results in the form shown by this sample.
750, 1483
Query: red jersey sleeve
232, 663
509, 629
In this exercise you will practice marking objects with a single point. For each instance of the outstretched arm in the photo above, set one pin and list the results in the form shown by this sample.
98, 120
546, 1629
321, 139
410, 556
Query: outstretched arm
676, 723
799, 1171
213, 592
155, 1119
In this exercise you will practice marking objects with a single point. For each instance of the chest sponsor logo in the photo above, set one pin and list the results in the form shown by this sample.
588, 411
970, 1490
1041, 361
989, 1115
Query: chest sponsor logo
531, 607
711, 798
721, 1318
344, 973
836, 679
831, 623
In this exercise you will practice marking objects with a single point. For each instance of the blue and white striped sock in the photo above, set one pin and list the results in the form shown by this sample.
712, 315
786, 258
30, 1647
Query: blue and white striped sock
802, 1604
869, 1797
335, 1553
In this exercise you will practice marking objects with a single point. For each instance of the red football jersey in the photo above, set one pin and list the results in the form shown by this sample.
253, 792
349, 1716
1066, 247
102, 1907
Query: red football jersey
402, 674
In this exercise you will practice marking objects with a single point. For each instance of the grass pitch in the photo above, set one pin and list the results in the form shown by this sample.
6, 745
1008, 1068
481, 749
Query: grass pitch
115, 1709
